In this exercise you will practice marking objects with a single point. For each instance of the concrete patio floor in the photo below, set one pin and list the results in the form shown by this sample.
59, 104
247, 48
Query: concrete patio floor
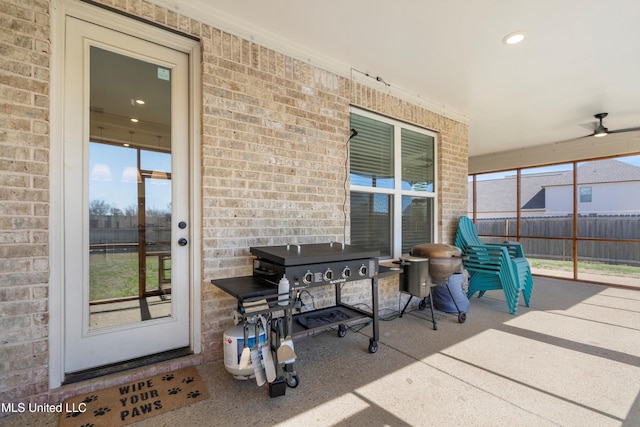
571, 359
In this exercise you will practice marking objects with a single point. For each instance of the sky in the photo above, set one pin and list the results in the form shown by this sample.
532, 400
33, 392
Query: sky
113, 176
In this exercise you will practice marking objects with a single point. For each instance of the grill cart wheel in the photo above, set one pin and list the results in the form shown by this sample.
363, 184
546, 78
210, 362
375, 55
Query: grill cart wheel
292, 380
373, 346
342, 331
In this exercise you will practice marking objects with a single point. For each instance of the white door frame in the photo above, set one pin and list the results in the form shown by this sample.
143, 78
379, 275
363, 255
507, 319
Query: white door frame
60, 9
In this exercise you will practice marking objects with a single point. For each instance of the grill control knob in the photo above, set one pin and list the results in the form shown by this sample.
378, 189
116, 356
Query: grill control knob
362, 270
346, 273
307, 278
328, 275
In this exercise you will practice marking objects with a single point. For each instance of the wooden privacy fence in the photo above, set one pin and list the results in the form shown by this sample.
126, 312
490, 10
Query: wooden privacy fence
559, 231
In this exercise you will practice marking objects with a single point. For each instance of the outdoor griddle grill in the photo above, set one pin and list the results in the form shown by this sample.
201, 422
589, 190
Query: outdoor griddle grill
308, 266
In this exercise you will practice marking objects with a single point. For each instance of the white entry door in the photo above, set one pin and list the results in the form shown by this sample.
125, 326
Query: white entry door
126, 197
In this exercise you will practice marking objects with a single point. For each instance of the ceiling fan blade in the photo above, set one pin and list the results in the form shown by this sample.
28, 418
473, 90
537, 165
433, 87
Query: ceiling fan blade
576, 139
625, 130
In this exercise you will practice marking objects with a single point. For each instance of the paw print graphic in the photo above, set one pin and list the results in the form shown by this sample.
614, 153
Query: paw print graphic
188, 380
168, 377
175, 390
193, 394
100, 412
73, 414
90, 399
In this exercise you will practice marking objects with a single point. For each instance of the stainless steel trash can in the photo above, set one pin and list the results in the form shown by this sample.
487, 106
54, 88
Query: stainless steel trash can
415, 278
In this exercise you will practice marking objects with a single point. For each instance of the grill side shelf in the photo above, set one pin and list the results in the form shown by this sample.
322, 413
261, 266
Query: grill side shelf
254, 296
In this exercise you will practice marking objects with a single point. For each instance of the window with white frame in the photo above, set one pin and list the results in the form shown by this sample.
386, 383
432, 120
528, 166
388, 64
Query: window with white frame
393, 189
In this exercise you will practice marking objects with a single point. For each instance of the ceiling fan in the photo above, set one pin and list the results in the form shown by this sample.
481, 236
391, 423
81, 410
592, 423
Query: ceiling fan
599, 130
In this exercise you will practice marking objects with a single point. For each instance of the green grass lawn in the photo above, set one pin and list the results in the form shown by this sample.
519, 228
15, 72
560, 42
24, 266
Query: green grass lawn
116, 275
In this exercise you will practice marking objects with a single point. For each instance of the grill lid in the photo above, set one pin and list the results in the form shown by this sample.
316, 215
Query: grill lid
315, 253
436, 250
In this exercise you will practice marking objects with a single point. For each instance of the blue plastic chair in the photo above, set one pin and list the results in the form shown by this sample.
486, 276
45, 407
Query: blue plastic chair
494, 266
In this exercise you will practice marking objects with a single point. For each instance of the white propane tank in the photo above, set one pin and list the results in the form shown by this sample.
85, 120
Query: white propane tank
233, 342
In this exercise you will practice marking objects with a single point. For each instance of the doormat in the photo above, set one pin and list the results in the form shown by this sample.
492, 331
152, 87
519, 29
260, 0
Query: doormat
135, 401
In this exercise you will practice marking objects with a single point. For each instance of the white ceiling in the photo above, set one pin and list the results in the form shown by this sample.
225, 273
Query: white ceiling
581, 57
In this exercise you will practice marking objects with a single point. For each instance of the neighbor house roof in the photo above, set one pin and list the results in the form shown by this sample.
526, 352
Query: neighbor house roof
499, 195
601, 171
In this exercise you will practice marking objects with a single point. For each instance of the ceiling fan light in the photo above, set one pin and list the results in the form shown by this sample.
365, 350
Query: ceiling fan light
600, 131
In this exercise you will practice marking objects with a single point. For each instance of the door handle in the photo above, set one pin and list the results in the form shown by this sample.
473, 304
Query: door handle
182, 241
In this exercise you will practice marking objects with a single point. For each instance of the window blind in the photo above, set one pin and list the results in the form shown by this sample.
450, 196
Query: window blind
417, 161
372, 153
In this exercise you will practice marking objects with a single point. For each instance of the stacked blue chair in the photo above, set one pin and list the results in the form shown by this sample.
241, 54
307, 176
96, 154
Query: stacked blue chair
494, 266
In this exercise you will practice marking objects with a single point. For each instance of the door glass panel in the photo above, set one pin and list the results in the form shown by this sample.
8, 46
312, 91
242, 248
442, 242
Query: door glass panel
130, 197
112, 223
158, 233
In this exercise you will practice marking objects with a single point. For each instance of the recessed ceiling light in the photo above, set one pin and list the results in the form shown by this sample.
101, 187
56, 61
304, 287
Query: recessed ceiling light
514, 38
139, 101
134, 120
